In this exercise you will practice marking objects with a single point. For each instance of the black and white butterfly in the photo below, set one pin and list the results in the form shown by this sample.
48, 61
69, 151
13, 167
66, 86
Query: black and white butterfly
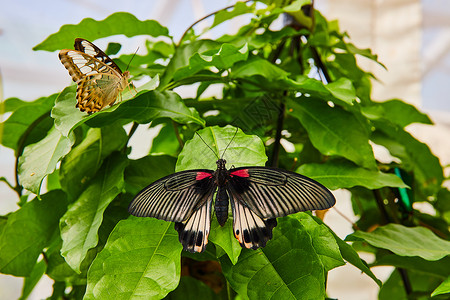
258, 195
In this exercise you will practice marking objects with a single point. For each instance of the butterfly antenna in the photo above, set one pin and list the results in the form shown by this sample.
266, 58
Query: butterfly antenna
234, 135
132, 58
207, 145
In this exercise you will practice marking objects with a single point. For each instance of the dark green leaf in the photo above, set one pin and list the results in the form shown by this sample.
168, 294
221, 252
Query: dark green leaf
40, 159
269, 273
146, 107
24, 114
191, 289
415, 156
439, 268
31, 281
223, 58
406, 241
396, 111
81, 164
333, 131
337, 174
28, 230
146, 170
140, 259
79, 226
90, 29
165, 143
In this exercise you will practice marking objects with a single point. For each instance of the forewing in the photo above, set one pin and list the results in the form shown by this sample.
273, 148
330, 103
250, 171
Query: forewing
176, 197
89, 48
271, 192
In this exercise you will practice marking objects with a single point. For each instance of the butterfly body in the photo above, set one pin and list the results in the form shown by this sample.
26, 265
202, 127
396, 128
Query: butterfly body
98, 77
258, 195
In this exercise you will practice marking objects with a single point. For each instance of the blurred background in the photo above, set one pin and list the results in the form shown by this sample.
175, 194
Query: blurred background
411, 38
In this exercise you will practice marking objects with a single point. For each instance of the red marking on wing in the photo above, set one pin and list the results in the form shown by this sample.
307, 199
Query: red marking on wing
240, 173
202, 175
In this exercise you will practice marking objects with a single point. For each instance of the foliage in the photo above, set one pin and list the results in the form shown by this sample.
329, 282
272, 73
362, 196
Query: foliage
297, 85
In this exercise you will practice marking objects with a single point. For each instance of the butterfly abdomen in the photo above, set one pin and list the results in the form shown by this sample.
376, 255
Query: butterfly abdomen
221, 206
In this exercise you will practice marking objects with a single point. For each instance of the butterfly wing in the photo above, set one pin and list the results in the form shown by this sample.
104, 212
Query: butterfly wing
99, 82
185, 198
89, 48
259, 195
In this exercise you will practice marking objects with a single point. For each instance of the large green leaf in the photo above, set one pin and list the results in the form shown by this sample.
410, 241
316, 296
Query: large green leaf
224, 238
24, 114
140, 260
79, 226
415, 156
287, 268
350, 255
117, 23
28, 230
146, 107
239, 8
81, 164
244, 150
406, 241
396, 111
443, 288
192, 289
223, 58
31, 281
340, 174
323, 241
40, 159
439, 268
333, 131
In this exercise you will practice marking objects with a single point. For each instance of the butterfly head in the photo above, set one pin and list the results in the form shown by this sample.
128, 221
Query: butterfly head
221, 163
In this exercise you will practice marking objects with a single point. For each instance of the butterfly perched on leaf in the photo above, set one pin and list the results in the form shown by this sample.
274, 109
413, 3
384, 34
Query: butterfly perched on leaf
258, 195
98, 77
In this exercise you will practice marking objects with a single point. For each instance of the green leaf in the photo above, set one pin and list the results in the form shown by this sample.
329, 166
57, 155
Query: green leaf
224, 238
81, 164
146, 107
140, 259
406, 241
333, 131
90, 29
443, 288
323, 241
31, 281
223, 58
24, 114
269, 273
415, 156
166, 141
28, 230
258, 66
439, 268
239, 8
192, 289
79, 226
340, 174
396, 111
350, 255
244, 150
142, 172
342, 89
182, 55
40, 159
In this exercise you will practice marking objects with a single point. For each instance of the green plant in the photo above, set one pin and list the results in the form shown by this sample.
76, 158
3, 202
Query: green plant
78, 231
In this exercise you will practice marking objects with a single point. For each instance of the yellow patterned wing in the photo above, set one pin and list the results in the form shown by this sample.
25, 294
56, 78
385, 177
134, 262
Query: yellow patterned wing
98, 78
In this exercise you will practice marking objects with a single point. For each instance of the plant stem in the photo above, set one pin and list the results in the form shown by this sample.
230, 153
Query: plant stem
177, 134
